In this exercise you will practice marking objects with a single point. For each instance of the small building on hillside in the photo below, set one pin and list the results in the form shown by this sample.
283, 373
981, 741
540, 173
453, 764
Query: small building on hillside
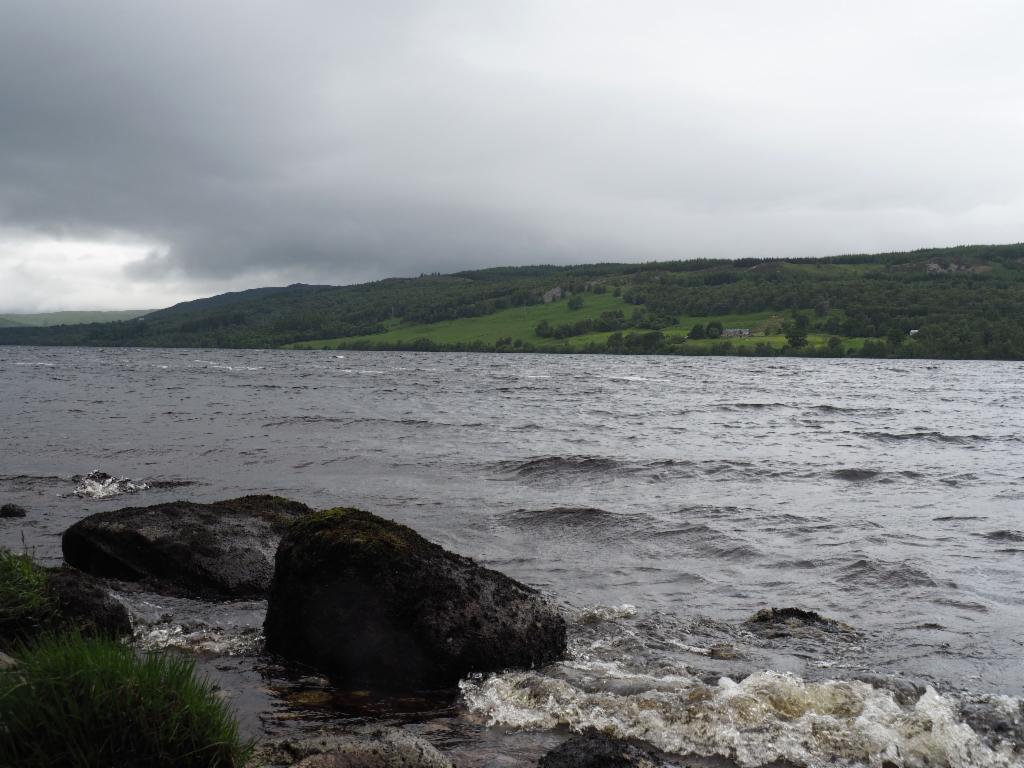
553, 295
732, 333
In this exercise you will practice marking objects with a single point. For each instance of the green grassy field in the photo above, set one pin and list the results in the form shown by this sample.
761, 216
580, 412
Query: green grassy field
517, 323
521, 322
41, 319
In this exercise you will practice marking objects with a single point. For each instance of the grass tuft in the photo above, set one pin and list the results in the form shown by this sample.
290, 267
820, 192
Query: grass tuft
26, 603
82, 702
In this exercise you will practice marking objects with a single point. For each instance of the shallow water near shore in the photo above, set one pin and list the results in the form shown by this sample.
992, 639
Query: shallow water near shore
660, 501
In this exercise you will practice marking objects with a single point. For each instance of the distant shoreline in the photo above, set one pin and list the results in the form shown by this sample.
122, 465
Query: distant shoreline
962, 303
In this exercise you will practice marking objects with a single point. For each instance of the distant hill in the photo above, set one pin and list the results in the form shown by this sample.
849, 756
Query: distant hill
46, 319
963, 302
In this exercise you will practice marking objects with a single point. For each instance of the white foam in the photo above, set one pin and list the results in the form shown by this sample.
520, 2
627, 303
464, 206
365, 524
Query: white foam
100, 485
207, 640
594, 613
768, 716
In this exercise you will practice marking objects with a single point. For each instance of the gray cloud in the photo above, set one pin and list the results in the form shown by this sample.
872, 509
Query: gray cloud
336, 142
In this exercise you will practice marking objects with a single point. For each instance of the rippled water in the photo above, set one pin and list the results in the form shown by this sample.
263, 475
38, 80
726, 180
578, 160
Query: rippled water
661, 501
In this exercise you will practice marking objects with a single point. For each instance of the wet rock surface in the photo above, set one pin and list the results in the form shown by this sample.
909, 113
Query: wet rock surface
13, 510
86, 605
375, 603
794, 622
374, 747
995, 719
593, 749
220, 550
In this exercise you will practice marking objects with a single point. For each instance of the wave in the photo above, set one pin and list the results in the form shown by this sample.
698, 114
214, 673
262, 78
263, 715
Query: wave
569, 467
828, 408
572, 522
924, 436
100, 485
548, 466
545, 468
560, 515
349, 421
1004, 535
705, 540
289, 420
766, 717
890, 575
28, 482
855, 474
598, 613
749, 406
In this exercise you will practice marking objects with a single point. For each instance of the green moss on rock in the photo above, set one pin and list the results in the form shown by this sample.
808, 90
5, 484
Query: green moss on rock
353, 534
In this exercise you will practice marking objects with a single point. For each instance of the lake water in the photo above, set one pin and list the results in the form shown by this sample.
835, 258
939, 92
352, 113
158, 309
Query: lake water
660, 501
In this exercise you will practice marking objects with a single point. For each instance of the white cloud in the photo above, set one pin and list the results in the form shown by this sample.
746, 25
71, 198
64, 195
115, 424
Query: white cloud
269, 143
49, 274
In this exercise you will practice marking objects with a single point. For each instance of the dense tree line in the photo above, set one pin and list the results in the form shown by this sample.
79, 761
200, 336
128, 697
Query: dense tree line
965, 302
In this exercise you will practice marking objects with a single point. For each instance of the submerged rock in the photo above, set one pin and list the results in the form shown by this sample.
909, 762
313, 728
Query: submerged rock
378, 747
12, 510
225, 549
593, 749
787, 622
376, 603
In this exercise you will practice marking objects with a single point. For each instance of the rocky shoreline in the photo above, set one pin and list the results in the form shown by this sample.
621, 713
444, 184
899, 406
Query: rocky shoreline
358, 603
352, 596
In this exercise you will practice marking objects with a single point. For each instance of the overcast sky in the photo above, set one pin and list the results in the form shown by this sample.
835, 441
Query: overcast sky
156, 151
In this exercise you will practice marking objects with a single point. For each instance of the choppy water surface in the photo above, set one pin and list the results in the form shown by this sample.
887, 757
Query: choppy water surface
660, 501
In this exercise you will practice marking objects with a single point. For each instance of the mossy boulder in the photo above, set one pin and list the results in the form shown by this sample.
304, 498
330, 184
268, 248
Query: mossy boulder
220, 550
377, 604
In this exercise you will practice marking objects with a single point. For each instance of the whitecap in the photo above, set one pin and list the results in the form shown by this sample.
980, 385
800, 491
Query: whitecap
100, 485
594, 613
769, 716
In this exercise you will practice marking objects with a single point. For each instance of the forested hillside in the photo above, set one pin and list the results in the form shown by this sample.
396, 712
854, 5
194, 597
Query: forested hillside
965, 302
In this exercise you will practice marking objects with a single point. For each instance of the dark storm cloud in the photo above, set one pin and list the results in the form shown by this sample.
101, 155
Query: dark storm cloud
332, 142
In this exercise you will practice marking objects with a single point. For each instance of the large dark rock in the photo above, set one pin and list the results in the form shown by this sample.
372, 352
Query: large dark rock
593, 749
12, 510
376, 603
224, 549
86, 605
